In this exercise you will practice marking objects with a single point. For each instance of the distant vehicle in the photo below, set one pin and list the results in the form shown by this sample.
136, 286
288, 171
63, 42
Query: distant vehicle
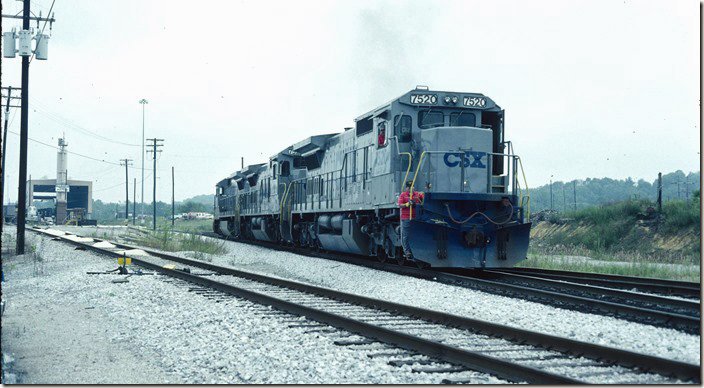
32, 214
198, 216
339, 192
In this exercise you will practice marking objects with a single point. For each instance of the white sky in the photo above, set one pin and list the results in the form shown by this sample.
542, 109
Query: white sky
590, 88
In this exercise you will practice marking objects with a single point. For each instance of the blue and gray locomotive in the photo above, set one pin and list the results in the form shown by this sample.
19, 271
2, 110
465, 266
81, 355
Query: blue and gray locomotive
339, 192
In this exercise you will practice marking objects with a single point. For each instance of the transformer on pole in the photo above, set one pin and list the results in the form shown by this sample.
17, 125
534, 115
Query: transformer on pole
24, 38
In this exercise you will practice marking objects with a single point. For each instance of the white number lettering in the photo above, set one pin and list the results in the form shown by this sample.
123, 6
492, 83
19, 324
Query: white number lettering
431, 99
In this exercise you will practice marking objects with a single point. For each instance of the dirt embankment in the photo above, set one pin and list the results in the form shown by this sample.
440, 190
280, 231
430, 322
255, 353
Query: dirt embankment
685, 240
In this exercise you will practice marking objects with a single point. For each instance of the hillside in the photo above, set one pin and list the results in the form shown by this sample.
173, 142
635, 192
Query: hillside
628, 238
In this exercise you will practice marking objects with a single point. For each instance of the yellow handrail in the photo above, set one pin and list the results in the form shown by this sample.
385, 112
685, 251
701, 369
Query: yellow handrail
281, 205
523, 172
415, 176
408, 170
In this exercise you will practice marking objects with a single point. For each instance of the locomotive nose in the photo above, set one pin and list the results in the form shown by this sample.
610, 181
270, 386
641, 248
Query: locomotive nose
456, 159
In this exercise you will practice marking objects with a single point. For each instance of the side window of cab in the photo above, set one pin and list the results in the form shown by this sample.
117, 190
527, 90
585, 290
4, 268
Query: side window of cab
402, 128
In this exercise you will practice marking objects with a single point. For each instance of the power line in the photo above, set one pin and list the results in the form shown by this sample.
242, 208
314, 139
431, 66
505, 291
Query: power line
44, 111
41, 35
118, 185
70, 152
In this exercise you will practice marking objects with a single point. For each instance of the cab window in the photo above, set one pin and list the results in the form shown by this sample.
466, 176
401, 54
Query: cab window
430, 119
402, 128
285, 170
463, 119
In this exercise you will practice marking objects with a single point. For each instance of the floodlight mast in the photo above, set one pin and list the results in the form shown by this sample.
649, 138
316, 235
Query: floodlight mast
141, 206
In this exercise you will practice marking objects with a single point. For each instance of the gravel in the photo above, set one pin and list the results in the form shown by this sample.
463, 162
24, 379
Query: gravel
63, 326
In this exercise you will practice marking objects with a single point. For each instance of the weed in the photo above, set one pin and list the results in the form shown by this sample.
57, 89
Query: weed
630, 266
36, 254
168, 240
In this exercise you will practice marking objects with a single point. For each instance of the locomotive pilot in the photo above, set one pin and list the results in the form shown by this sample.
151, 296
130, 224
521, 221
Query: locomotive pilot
408, 203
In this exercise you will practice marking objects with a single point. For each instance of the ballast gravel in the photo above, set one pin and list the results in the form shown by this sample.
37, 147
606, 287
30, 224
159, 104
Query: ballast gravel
64, 326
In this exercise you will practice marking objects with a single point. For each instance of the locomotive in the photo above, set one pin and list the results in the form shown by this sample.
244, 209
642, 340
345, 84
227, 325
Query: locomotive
339, 191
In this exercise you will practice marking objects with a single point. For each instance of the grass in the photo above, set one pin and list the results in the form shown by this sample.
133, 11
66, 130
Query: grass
636, 267
168, 240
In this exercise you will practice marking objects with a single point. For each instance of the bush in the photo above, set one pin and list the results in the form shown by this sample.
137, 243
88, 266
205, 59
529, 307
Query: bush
682, 214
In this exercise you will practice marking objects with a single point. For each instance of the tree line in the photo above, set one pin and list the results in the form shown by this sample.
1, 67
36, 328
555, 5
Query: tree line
599, 191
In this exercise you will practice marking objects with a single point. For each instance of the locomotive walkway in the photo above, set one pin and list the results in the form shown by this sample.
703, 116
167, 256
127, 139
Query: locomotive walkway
432, 341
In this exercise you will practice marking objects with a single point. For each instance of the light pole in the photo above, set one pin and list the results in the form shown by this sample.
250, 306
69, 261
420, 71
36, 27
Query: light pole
141, 206
550, 192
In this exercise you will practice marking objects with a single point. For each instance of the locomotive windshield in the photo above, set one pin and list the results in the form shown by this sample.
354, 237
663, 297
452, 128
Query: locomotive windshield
463, 119
430, 119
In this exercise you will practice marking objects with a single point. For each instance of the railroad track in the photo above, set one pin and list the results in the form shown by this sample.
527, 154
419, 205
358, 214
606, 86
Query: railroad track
646, 308
602, 300
431, 341
649, 285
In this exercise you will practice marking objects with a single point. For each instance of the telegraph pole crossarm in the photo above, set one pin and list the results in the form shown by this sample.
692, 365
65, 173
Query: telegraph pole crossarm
39, 19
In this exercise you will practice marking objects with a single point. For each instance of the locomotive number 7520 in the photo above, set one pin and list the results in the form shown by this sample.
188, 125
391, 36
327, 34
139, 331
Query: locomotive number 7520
431, 99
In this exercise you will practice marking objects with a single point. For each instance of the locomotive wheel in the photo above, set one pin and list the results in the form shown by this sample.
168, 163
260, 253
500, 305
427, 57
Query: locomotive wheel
381, 256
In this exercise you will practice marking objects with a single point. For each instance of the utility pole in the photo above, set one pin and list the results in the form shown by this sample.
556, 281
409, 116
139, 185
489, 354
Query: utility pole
127, 188
550, 192
155, 144
141, 206
173, 204
574, 188
686, 188
564, 200
24, 116
134, 200
659, 192
679, 196
4, 148
25, 51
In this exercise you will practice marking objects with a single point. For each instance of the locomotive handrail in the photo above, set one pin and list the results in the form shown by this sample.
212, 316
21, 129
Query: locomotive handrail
344, 164
281, 205
410, 161
523, 172
513, 172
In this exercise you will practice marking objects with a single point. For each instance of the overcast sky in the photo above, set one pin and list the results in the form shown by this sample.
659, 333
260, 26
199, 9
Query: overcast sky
590, 88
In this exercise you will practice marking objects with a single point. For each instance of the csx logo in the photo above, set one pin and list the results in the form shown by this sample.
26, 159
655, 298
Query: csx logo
472, 159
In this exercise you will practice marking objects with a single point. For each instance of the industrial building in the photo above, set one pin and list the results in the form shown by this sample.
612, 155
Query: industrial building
69, 200
79, 196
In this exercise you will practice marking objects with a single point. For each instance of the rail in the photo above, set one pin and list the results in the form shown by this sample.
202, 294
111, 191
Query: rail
506, 367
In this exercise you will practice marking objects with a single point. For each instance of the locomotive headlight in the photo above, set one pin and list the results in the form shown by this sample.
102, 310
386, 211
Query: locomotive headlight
447, 99
454, 99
